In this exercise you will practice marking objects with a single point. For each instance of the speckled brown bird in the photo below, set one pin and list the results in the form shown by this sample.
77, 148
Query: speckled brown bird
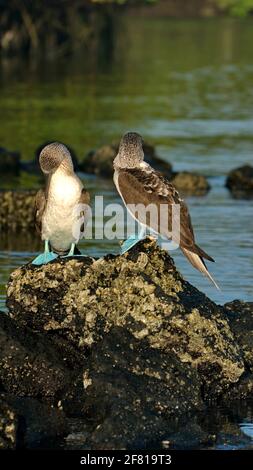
138, 183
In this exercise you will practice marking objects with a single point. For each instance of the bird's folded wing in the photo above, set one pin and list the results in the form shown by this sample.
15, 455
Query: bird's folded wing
147, 186
39, 207
85, 197
84, 209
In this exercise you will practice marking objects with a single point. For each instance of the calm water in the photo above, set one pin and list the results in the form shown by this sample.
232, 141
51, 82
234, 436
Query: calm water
187, 86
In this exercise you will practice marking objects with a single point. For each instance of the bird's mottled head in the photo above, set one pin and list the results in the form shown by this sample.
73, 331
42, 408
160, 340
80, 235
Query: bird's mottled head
130, 153
53, 155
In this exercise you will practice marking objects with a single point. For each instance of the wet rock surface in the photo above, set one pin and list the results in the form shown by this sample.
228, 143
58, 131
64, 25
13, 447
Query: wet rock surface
129, 346
240, 182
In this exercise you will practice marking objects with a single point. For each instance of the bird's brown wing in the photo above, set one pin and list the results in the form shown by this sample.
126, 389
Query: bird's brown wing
85, 201
85, 197
39, 207
147, 186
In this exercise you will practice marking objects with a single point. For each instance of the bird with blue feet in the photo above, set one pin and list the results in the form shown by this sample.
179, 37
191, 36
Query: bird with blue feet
139, 185
61, 209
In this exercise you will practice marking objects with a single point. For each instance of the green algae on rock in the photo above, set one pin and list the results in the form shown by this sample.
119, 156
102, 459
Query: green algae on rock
80, 300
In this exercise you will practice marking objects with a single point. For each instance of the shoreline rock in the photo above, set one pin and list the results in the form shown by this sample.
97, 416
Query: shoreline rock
137, 348
82, 299
240, 182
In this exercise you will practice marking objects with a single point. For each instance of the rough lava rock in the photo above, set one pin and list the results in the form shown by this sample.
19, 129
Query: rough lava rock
29, 364
81, 299
131, 349
143, 388
100, 161
240, 182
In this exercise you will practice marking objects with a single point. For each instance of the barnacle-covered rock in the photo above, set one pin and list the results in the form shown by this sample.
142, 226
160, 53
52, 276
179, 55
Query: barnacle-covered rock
80, 300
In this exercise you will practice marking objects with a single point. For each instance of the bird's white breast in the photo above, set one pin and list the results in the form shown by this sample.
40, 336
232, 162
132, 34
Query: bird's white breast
59, 217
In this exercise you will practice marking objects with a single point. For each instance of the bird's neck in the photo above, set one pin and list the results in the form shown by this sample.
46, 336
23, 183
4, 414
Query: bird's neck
122, 164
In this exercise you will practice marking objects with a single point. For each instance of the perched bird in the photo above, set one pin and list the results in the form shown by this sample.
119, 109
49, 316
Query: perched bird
138, 183
62, 206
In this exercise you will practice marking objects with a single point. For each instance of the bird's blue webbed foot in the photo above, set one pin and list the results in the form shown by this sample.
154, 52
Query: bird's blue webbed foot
132, 241
45, 257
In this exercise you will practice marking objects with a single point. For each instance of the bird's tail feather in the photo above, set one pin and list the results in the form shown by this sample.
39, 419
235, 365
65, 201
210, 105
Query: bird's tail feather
199, 264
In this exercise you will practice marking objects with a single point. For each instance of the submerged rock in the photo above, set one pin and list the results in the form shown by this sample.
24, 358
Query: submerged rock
240, 182
191, 183
16, 210
9, 161
100, 161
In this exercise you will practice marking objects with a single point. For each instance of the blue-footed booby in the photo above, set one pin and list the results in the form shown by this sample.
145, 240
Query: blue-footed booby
62, 207
139, 184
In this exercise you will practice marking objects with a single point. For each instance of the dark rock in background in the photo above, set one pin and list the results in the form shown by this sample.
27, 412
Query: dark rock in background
240, 182
9, 161
191, 184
